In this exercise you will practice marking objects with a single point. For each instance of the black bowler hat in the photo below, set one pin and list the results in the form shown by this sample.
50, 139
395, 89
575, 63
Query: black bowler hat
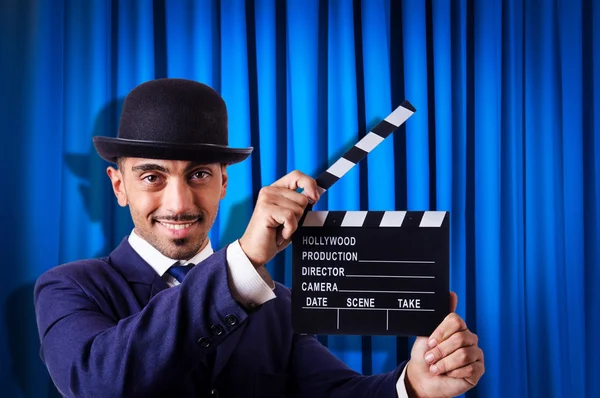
172, 119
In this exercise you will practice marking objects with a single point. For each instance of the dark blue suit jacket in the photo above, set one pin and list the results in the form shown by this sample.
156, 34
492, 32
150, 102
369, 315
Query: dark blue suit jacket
111, 327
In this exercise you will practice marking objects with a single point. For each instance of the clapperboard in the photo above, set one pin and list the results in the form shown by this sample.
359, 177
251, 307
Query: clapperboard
370, 272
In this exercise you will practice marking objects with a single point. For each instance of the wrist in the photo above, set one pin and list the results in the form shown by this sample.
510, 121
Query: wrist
410, 390
255, 263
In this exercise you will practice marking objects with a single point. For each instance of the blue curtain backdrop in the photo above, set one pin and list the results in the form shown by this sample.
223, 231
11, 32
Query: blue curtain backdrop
505, 137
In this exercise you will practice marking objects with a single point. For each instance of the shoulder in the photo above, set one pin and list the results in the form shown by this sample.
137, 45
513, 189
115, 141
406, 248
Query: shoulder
92, 269
81, 274
77, 269
72, 285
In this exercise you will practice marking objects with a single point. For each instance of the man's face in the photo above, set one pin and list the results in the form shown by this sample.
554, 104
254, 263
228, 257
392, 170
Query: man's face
173, 203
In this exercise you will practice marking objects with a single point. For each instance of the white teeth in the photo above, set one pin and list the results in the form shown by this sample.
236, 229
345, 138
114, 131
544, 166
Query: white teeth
176, 226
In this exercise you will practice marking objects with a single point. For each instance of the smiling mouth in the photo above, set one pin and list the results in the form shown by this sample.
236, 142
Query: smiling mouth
176, 226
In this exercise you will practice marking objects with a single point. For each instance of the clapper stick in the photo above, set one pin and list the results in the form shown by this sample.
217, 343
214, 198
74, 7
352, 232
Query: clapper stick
362, 148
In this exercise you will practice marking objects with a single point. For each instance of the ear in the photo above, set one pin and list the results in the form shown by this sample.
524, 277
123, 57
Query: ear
224, 180
118, 185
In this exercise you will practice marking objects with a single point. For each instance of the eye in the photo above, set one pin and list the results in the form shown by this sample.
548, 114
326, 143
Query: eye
200, 175
150, 178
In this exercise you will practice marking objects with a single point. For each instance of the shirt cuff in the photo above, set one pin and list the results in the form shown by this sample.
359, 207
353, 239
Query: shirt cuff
400, 387
249, 286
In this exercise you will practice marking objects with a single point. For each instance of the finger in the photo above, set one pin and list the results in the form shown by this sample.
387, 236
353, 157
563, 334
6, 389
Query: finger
284, 198
292, 196
471, 372
453, 301
295, 180
459, 358
457, 340
450, 325
276, 217
287, 219
283, 243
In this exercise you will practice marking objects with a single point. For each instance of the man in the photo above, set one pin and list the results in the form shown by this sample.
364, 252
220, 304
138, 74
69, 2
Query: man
130, 325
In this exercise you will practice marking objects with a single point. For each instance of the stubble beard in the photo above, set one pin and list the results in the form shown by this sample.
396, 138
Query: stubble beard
178, 249
181, 249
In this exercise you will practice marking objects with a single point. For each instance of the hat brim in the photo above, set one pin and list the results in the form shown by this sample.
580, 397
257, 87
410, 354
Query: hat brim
110, 149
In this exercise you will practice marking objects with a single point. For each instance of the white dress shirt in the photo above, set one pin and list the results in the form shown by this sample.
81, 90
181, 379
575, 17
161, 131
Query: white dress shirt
249, 286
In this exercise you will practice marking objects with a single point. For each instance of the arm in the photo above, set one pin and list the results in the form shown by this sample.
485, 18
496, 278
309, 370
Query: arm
89, 353
314, 370
317, 372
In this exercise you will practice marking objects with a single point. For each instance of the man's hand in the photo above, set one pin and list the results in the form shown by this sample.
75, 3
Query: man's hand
276, 214
446, 364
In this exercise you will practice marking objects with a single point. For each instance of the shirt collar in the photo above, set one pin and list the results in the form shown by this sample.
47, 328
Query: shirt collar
158, 261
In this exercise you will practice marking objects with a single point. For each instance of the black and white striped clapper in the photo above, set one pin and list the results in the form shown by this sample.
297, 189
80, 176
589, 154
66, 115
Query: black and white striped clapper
365, 145
370, 272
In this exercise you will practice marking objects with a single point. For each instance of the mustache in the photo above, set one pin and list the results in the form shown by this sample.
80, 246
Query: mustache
179, 217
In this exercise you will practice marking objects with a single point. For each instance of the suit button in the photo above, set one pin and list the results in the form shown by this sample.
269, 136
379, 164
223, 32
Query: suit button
214, 393
217, 330
231, 320
204, 342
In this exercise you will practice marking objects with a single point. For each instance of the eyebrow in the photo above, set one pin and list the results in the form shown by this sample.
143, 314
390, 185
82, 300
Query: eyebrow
157, 167
196, 164
150, 167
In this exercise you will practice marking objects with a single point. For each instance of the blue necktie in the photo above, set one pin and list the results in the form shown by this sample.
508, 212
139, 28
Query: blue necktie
179, 271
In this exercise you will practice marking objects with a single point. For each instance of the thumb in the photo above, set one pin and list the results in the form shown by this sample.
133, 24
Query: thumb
453, 301
421, 344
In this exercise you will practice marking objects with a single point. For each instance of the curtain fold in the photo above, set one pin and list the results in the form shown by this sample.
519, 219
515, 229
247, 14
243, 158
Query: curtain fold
505, 137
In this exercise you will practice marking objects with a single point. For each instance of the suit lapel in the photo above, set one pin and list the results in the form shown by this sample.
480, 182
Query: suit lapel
142, 278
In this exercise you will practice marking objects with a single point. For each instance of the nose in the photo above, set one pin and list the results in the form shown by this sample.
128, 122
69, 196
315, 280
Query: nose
177, 197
